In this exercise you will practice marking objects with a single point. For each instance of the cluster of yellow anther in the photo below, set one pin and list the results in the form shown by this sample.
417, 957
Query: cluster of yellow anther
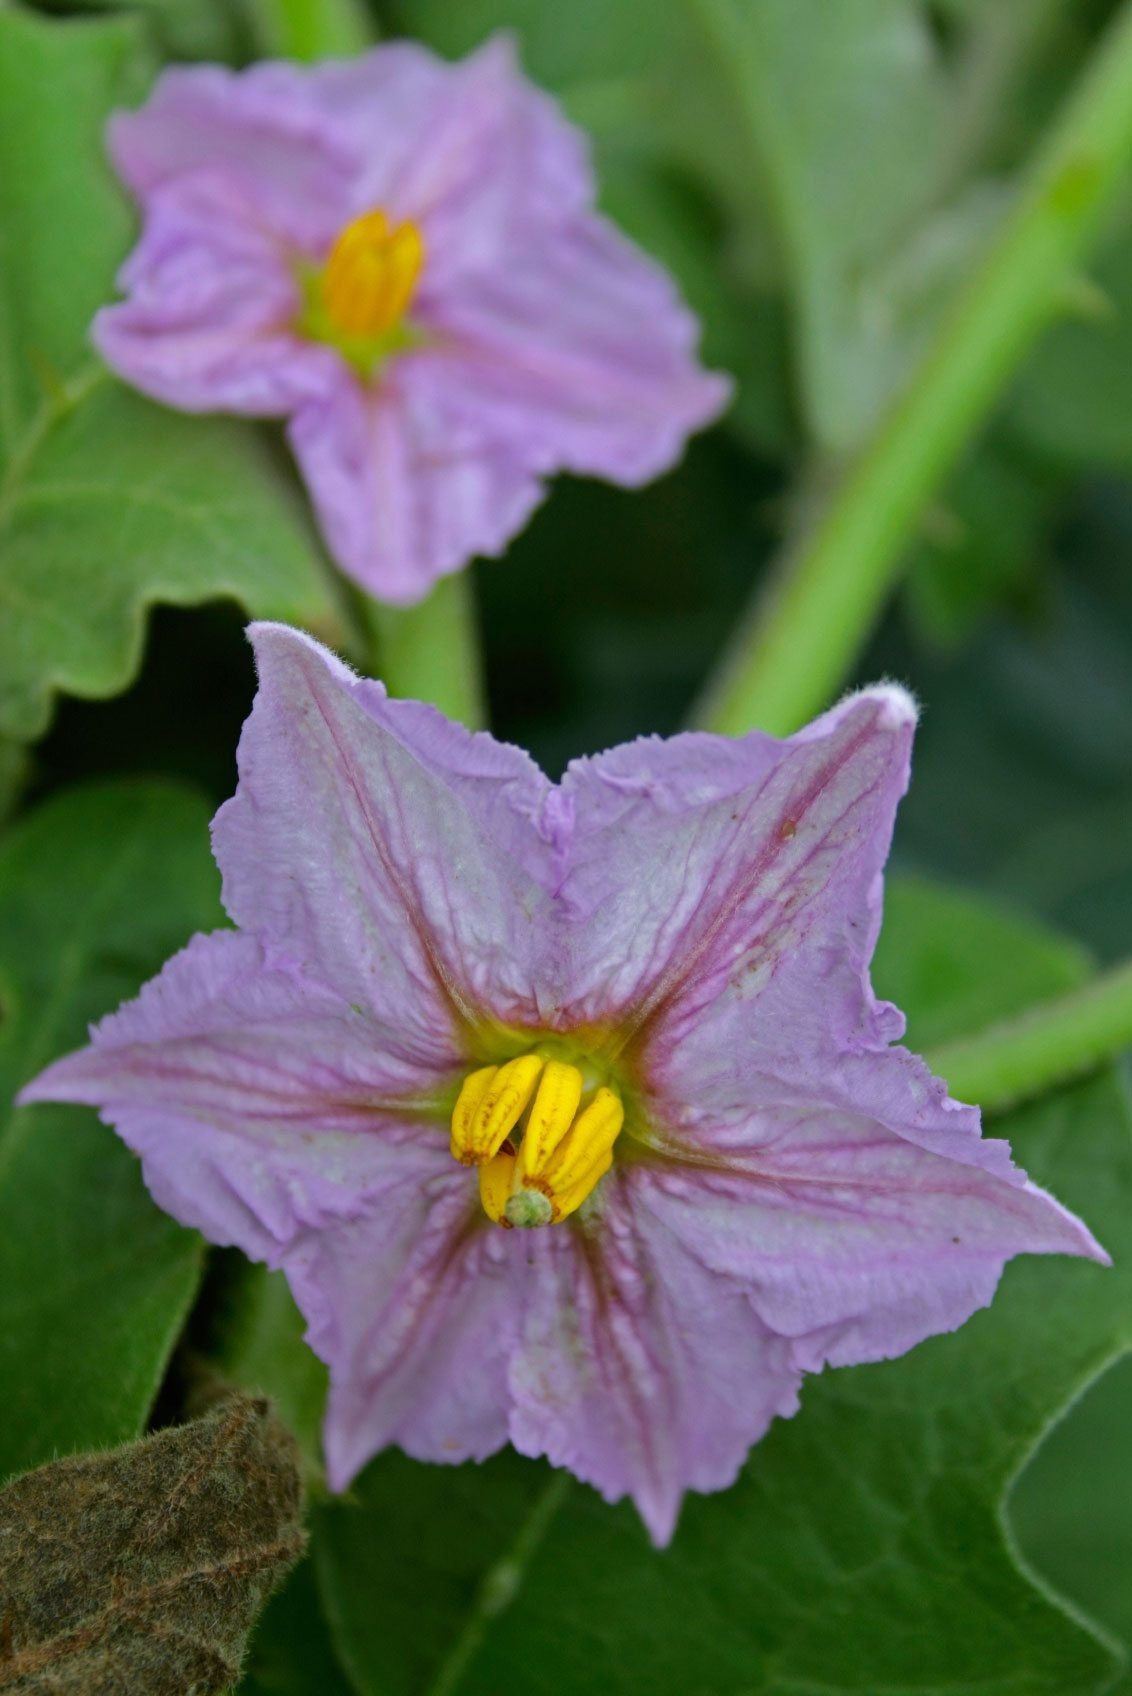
370, 276
563, 1148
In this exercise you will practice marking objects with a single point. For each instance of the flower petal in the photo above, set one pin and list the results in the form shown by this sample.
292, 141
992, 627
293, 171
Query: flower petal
640, 1369
261, 1102
207, 325
263, 132
407, 487
697, 866
856, 1244
412, 1307
472, 152
573, 344
389, 851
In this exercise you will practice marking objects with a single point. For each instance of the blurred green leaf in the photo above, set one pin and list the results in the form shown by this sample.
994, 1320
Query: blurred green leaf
1072, 399
291, 1652
255, 1335
862, 1548
1023, 775
64, 225
125, 504
96, 889
985, 548
184, 29
836, 119
107, 502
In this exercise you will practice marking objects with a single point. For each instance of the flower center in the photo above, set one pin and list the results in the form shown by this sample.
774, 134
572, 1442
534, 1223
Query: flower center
371, 274
358, 300
564, 1147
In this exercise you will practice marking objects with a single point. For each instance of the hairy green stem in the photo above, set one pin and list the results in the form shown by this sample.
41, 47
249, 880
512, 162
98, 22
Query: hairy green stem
1047, 1045
431, 651
802, 636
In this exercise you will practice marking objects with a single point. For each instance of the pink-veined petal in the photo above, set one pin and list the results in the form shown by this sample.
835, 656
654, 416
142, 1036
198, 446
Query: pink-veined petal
261, 1102
413, 1309
407, 490
387, 850
857, 1244
640, 1369
262, 131
576, 346
697, 866
209, 319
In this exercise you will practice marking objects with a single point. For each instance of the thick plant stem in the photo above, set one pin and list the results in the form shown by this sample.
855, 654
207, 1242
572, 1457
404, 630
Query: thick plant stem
1045, 1046
801, 637
312, 29
431, 651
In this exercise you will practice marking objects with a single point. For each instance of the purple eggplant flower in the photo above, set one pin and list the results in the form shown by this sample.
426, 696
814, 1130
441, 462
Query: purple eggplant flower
402, 257
567, 1109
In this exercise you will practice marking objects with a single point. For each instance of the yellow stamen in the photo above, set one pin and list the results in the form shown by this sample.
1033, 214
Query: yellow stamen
496, 1176
478, 1133
472, 1092
563, 1153
572, 1169
371, 275
552, 1113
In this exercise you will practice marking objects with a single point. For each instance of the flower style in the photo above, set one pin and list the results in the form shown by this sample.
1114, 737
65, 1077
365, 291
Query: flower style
567, 1109
401, 256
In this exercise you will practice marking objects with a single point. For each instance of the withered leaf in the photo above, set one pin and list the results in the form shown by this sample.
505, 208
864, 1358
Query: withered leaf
140, 1572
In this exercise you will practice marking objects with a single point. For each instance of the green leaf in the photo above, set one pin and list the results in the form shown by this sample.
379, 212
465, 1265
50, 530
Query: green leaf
183, 29
96, 890
64, 225
981, 551
256, 1338
107, 502
835, 124
1070, 400
1069, 1520
291, 1652
125, 504
862, 1548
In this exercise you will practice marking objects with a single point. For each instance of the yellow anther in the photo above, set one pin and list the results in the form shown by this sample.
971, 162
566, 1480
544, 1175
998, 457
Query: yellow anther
496, 1177
552, 1112
371, 274
565, 1201
571, 1169
589, 1139
472, 1092
498, 1110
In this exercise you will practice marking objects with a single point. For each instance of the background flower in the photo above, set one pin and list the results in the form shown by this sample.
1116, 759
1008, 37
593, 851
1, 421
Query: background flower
525, 335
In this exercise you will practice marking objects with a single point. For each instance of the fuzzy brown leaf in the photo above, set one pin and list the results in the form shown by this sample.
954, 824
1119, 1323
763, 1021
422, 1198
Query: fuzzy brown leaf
141, 1571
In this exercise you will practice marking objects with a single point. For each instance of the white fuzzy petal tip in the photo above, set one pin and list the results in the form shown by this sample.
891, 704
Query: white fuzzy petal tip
899, 705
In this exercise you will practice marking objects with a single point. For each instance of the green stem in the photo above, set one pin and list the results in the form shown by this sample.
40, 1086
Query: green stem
431, 651
800, 639
311, 29
1047, 1045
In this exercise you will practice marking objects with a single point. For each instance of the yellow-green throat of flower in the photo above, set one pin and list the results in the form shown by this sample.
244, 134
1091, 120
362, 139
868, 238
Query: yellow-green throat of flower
564, 1146
357, 301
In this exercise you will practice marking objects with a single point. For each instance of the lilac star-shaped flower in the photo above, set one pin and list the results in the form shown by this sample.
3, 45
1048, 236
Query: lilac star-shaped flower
402, 257
567, 1109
